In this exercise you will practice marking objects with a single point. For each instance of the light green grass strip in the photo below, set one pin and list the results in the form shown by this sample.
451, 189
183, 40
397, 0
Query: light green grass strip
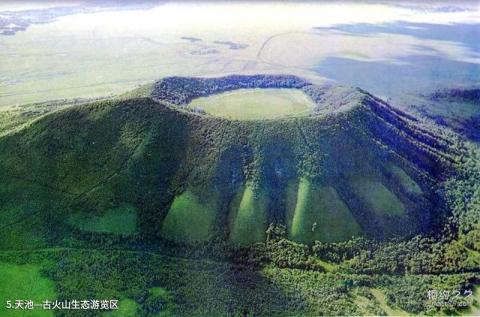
190, 218
405, 180
379, 198
320, 215
249, 224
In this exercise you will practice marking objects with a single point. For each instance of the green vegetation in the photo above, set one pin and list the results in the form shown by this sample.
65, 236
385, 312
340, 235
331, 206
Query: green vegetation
142, 91
380, 297
320, 214
474, 310
10, 119
178, 214
255, 104
126, 308
15, 118
406, 181
249, 223
24, 282
160, 302
122, 220
191, 218
88, 159
379, 198
150, 284
456, 108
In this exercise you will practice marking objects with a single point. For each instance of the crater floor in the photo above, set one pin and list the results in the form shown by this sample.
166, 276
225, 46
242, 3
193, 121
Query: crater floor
257, 103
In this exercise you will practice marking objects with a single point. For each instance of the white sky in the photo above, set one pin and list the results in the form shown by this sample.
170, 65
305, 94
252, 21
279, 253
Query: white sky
19, 5
204, 15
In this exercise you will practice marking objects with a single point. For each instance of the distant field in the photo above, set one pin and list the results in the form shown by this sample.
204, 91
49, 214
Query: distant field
252, 104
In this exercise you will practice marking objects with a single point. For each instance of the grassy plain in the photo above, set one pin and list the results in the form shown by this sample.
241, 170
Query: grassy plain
24, 282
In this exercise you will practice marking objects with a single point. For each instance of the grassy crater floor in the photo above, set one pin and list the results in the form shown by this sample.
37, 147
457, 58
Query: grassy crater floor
252, 104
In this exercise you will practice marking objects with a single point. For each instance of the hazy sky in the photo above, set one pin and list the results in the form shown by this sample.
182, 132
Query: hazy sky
32, 5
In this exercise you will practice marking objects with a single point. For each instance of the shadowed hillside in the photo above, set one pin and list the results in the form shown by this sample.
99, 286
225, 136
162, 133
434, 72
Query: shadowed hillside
457, 108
